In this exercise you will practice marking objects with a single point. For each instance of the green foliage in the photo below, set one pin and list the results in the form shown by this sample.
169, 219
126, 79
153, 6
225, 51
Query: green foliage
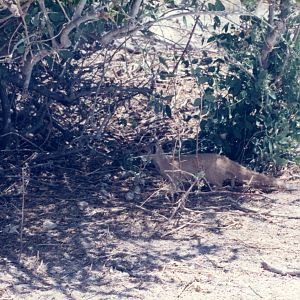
251, 113
250, 4
160, 105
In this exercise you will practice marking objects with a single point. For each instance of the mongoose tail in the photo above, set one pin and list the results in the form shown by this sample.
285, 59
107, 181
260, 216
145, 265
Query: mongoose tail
255, 179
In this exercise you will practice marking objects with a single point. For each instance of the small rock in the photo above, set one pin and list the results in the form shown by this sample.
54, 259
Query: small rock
83, 204
129, 196
137, 190
49, 225
11, 228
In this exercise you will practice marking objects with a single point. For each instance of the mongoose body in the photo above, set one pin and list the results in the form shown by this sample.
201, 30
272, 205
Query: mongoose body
216, 168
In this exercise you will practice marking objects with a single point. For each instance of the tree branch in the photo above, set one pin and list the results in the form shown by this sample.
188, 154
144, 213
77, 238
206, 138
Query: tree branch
271, 41
79, 9
48, 23
75, 22
64, 43
6, 115
135, 7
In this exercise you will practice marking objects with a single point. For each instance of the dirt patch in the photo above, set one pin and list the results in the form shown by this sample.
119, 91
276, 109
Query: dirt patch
83, 241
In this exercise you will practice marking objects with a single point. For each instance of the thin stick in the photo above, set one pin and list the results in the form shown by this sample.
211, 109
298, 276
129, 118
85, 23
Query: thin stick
22, 211
267, 267
181, 202
153, 212
152, 195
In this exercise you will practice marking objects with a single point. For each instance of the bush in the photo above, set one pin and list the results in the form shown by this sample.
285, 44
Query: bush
251, 108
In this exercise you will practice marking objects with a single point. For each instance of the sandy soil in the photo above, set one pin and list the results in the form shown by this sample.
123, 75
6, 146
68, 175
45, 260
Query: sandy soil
91, 244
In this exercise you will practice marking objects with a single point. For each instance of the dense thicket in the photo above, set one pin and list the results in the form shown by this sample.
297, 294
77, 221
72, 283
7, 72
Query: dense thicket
62, 83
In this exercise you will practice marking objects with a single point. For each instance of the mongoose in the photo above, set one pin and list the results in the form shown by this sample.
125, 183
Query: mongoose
216, 168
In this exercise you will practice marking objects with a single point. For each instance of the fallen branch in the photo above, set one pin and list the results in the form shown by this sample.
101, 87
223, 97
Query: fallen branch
267, 267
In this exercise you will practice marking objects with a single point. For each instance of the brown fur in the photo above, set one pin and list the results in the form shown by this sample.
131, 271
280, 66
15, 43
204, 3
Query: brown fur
216, 168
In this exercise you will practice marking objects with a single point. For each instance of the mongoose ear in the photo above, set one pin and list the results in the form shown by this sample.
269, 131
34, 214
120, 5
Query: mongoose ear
151, 149
155, 146
158, 148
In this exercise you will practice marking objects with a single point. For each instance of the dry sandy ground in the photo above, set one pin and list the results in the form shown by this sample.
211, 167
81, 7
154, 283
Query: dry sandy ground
97, 249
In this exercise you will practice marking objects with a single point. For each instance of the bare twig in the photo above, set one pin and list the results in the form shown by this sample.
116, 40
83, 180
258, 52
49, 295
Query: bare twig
271, 41
25, 175
23, 138
48, 23
182, 200
267, 267
64, 38
26, 40
185, 287
64, 43
186, 46
79, 9
135, 8
63, 10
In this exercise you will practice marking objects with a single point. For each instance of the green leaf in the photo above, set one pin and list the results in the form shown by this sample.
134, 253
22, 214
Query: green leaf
21, 49
157, 107
186, 63
134, 123
163, 75
187, 118
197, 102
219, 6
211, 39
202, 79
235, 87
211, 7
210, 81
49, 61
206, 61
78, 35
197, 72
270, 146
35, 20
226, 27
65, 54
211, 69
163, 61
209, 97
248, 124
217, 22
236, 132
282, 161
56, 17
245, 18
168, 111
272, 95
219, 61
123, 122
166, 98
